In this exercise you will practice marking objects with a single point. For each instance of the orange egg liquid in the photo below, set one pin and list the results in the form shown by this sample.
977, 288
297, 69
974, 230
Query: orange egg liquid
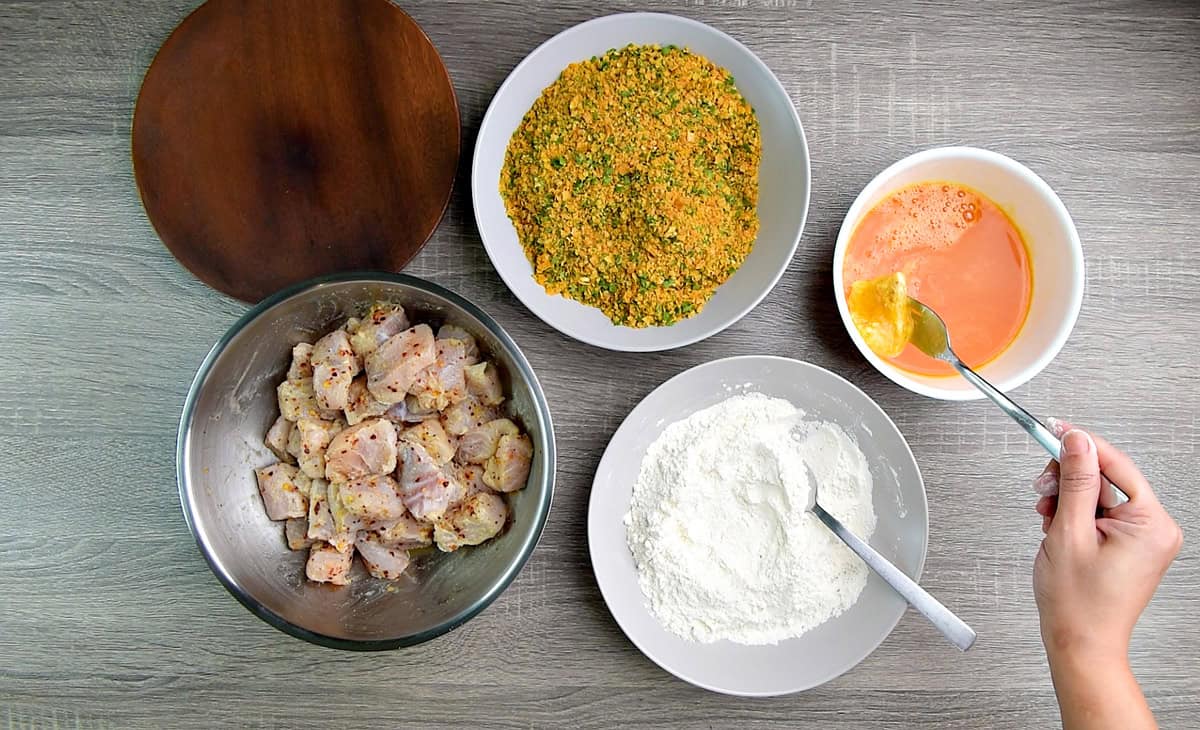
962, 256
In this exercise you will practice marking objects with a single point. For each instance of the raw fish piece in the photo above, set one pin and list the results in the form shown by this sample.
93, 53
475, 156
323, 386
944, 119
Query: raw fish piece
277, 439
297, 400
315, 436
373, 498
383, 322
467, 414
478, 518
283, 489
454, 332
320, 519
345, 525
471, 477
360, 404
368, 448
392, 367
508, 469
334, 367
443, 382
327, 564
426, 489
477, 445
409, 411
483, 382
294, 445
296, 532
430, 435
381, 561
407, 532
301, 367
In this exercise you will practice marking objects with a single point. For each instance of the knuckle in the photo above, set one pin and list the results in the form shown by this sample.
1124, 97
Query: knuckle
1077, 481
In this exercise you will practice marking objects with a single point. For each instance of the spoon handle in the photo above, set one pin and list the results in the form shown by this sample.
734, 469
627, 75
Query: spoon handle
1032, 426
951, 626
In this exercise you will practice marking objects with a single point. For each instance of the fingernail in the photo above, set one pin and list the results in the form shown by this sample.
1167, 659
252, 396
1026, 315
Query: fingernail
1046, 485
1057, 426
1076, 442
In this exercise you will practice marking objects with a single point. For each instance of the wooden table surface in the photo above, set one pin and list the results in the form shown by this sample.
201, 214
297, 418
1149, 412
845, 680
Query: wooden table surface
109, 617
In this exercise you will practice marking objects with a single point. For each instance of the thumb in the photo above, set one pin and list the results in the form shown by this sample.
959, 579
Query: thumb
1078, 482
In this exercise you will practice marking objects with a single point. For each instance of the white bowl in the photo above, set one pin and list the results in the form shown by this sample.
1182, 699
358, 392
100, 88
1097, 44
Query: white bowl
828, 650
1056, 258
783, 178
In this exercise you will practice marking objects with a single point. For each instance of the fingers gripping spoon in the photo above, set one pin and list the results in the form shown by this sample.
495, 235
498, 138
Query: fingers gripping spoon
951, 626
929, 335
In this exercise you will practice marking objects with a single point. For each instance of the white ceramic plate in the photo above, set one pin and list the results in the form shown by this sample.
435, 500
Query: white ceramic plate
833, 647
783, 178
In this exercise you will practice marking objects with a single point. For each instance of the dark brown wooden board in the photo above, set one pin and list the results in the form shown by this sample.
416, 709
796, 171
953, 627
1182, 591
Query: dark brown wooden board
277, 140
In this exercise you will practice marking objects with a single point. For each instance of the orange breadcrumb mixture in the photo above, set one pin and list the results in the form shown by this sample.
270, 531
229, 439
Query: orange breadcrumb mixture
633, 183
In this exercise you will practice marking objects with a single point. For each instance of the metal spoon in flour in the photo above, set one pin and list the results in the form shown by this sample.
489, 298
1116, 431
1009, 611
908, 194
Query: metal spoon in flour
951, 626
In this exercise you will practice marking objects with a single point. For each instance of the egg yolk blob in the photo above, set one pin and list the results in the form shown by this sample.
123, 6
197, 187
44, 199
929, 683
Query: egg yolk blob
879, 309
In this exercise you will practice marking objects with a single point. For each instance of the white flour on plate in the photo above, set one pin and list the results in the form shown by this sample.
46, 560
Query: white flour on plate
718, 526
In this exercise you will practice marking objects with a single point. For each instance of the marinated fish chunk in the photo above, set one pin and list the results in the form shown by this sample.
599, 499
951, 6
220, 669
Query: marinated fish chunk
381, 561
360, 404
426, 489
395, 364
407, 532
277, 439
345, 525
477, 445
327, 564
301, 367
334, 367
297, 400
315, 437
374, 498
443, 382
368, 448
296, 532
508, 469
471, 477
319, 524
483, 382
433, 438
478, 518
454, 332
467, 414
283, 489
384, 322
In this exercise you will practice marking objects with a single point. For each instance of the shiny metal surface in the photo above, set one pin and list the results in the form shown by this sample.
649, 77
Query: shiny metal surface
943, 619
228, 409
930, 337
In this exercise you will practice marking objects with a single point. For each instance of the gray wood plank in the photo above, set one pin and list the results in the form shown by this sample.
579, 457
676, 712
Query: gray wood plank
110, 618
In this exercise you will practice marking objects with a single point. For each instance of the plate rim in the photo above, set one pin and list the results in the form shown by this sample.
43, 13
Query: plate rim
489, 121
683, 674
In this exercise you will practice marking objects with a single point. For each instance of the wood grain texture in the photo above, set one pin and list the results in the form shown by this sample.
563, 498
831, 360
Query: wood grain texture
110, 618
278, 140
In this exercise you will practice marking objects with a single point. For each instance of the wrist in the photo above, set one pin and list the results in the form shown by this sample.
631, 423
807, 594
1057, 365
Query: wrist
1088, 648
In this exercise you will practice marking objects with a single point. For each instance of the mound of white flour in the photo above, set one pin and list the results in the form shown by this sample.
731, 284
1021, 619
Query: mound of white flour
718, 526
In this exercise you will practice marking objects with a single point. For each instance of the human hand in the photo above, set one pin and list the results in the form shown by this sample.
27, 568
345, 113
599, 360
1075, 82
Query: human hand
1094, 575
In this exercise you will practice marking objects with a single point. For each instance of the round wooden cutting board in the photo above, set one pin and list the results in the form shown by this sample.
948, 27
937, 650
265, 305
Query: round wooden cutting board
277, 140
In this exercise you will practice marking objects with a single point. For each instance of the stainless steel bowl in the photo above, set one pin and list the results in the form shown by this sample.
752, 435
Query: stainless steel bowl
229, 408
